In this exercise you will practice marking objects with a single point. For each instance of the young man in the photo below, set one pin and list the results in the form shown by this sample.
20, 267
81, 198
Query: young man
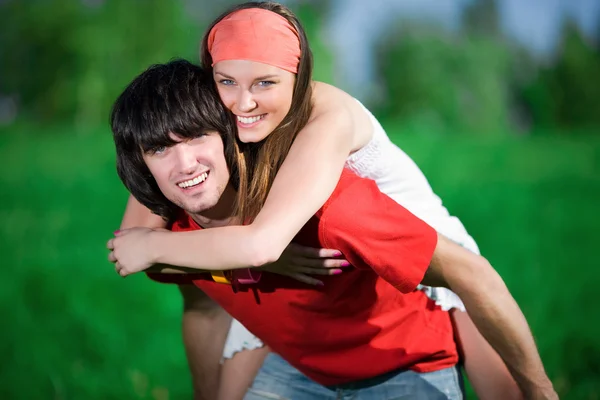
367, 332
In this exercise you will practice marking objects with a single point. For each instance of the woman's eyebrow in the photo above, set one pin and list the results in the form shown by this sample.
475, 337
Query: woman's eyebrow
260, 78
224, 75
265, 77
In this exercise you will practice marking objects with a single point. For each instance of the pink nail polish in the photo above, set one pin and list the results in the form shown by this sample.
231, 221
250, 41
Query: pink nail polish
345, 264
337, 253
116, 232
336, 272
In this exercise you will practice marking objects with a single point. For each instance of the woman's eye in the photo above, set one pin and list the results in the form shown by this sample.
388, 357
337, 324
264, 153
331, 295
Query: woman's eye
226, 82
265, 83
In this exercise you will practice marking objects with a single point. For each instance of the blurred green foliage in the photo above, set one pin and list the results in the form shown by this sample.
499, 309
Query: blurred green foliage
567, 93
476, 81
456, 85
68, 60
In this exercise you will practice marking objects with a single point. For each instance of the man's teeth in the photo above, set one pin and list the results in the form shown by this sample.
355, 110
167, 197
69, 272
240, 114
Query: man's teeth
249, 120
193, 182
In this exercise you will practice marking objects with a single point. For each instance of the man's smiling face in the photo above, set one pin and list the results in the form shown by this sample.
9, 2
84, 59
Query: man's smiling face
192, 173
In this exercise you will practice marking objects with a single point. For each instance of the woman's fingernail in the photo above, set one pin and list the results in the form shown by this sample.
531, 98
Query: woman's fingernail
336, 272
116, 232
345, 264
319, 283
337, 253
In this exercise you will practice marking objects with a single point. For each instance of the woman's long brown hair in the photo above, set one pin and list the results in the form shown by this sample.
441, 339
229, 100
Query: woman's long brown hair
258, 163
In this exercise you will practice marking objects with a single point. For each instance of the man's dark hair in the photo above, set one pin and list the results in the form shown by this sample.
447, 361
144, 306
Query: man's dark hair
177, 97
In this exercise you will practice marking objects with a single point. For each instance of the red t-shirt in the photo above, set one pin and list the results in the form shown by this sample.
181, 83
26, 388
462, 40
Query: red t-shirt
365, 322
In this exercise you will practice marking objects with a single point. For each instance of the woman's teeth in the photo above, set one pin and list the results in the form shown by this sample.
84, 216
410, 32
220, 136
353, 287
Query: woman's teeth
250, 120
193, 182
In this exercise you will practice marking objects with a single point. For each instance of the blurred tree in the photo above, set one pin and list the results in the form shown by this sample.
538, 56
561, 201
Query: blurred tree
69, 59
566, 93
40, 60
450, 83
577, 78
481, 18
524, 68
312, 15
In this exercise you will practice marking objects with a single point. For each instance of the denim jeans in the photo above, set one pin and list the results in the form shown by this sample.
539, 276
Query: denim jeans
279, 380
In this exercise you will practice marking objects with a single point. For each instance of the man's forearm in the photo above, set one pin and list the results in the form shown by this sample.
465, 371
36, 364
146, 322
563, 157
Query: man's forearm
136, 215
500, 320
494, 312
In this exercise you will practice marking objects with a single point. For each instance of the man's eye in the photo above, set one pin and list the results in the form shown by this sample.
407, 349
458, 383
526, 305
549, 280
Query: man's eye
158, 150
199, 135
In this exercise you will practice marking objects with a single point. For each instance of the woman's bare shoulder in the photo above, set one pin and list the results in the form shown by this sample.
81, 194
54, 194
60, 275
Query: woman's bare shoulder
328, 99
325, 95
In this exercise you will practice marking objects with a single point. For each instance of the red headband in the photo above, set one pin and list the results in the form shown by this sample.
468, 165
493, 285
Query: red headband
255, 34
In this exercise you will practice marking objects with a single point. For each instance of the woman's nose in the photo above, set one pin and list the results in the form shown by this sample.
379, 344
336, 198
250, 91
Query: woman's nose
246, 102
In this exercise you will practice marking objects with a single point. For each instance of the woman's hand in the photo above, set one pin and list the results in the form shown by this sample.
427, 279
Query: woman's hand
298, 262
131, 250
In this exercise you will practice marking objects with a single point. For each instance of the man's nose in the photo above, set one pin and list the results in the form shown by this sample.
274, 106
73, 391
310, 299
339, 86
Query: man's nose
186, 159
246, 102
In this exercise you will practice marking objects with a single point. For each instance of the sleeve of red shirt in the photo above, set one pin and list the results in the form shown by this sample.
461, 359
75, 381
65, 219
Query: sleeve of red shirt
373, 231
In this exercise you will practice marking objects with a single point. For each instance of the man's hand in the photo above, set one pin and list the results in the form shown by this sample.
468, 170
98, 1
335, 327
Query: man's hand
131, 250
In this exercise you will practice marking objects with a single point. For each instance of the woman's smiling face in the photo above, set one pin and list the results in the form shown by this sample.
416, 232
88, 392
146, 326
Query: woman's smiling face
260, 96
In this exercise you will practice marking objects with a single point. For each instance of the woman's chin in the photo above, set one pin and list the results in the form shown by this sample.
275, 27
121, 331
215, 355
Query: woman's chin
251, 136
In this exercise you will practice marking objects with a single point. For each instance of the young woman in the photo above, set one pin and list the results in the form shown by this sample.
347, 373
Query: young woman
296, 137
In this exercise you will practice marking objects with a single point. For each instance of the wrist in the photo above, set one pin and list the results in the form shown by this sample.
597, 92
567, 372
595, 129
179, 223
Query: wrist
156, 241
544, 390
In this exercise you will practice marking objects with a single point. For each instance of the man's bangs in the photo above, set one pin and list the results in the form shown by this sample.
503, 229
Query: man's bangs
154, 138
160, 120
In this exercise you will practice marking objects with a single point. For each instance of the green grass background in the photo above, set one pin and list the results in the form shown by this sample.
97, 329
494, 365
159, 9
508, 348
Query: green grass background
72, 329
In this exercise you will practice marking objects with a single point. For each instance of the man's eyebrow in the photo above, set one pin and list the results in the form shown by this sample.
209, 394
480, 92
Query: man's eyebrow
260, 78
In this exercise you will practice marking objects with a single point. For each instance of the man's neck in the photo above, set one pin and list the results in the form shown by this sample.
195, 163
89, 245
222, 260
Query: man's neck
219, 215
